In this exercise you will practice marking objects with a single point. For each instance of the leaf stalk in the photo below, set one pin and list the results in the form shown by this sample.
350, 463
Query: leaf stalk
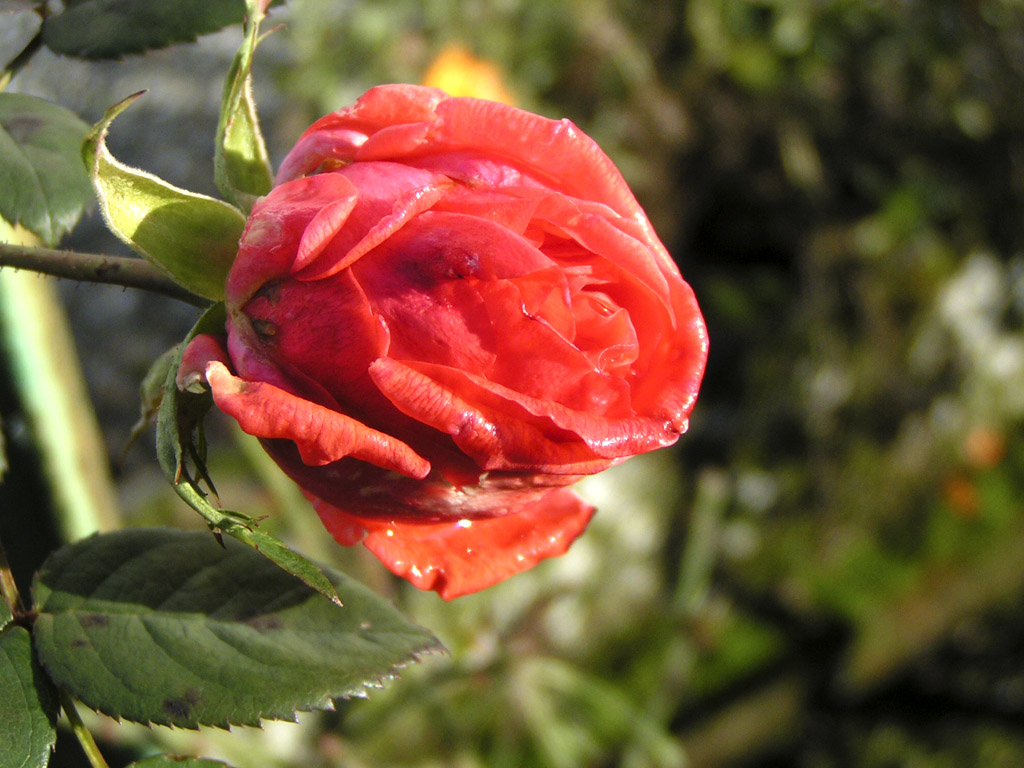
92, 752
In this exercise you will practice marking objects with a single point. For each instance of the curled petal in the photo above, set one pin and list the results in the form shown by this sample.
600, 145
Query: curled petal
324, 226
556, 151
459, 557
277, 225
200, 351
506, 430
321, 435
339, 135
405, 207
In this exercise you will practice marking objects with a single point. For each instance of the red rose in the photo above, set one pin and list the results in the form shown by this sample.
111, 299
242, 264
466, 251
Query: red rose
446, 312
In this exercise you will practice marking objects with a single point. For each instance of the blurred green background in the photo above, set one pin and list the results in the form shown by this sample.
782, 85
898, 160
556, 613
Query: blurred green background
827, 571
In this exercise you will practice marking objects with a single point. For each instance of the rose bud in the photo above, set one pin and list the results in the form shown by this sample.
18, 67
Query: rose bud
446, 312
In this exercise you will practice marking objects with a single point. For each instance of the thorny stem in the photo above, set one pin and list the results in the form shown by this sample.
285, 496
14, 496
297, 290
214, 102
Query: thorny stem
96, 268
84, 737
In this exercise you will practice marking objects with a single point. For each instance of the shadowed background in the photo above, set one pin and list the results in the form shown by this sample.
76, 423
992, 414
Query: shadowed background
827, 570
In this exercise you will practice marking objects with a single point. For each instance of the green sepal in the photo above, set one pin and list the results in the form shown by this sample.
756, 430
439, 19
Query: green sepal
241, 164
191, 237
151, 392
162, 626
28, 704
181, 451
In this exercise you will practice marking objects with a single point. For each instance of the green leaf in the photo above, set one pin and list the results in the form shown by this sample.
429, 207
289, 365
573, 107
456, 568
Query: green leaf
45, 188
28, 704
170, 761
179, 438
109, 29
163, 626
6, 615
241, 163
191, 237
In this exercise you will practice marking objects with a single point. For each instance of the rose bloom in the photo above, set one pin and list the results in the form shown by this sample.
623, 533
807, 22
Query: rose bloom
446, 312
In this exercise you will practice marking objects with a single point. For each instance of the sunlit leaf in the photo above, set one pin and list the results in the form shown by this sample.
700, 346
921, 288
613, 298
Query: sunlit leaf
28, 704
193, 238
45, 188
162, 626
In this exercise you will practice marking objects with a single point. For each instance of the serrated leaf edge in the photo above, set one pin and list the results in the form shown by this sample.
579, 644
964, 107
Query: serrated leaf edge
430, 646
324, 704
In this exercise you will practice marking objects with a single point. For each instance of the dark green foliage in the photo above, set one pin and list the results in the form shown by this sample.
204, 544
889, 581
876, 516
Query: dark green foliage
110, 29
28, 704
44, 185
169, 627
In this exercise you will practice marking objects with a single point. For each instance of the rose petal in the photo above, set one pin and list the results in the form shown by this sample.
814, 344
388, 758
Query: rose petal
270, 242
200, 351
390, 195
460, 557
556, 152
598, 235
505, 430
339, 134
321, 229
315, 325
321, 435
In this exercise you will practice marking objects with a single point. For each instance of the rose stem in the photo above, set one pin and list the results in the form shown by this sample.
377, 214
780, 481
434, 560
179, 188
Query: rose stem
96, 268
84, 737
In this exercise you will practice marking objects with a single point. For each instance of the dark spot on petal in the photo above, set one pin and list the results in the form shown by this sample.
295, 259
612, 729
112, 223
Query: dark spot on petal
88, 620
463, 264
329, 165
264, 328
270, 291
450, 262
180, 707
79, 643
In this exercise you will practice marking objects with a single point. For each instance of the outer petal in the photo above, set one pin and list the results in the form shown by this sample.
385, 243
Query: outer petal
338, 136
554, 151
503, 429
321, 435
277, 225
457, 558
